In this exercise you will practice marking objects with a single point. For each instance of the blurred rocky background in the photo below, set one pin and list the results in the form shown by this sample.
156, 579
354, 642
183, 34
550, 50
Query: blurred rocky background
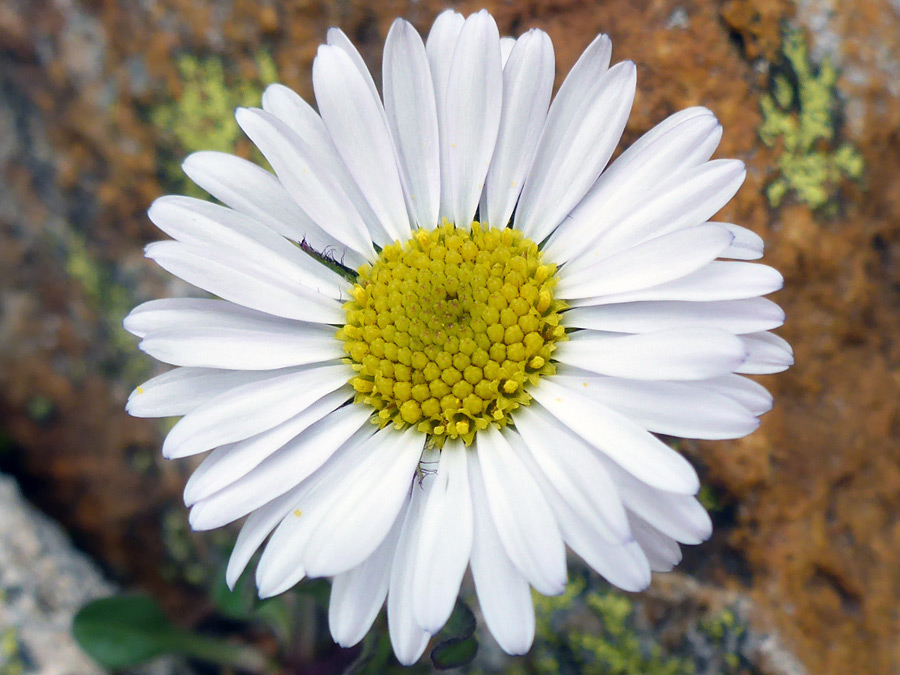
100, 100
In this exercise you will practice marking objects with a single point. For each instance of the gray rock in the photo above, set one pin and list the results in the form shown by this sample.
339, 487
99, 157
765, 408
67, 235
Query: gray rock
44, 581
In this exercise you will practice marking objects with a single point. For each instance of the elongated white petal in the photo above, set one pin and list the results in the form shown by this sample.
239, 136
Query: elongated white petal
338, 38
524, 521
281, 564
662, 552
308, 179
752, 395
234, 278
358, 518
719, 280
357, 595
747, 245
736, 316
256, 528
252, 408
506, 46
411, 111
473, 102
674, 354
253, 191
261, 345
623, 565
197, 222
229, 463
678, 516
681, 141
445, 542
407, 638
300, 118
503, 592
651, 263
577, 142
768, 354
576, 472
182, 390
355, 119
527, 85
622, 440
683, 201
280, 472
439, 47
683, 409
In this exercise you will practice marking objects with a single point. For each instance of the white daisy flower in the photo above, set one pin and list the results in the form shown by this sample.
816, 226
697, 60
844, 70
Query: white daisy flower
476, 374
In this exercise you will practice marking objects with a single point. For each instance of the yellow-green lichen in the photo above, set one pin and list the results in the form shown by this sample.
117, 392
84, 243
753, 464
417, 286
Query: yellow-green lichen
11, 662
799, 120
602, 640
201, 115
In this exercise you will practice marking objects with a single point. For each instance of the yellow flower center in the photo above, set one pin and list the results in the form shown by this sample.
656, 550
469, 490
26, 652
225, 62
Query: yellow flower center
447, 331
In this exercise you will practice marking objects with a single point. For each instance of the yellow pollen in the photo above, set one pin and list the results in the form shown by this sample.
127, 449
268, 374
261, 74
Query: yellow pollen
447, 331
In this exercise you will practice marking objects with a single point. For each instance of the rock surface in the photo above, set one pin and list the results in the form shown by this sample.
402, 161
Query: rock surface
44, 581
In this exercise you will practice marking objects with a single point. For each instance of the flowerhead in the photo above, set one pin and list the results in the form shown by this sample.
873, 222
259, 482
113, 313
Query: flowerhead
449, 332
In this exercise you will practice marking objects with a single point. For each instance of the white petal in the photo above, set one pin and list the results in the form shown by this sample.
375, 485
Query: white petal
575, 472
503, 592
239, 280
768, 354
506, 47
720, 280
686, 200
524, 521
227, 464
282, 471
412, 114
623, 565
305, 123
683, 409
679, 142
578, 91
752, 395
574, 148
281, 564
308, 178
182, 390
678, 516
445, 541
653, 262
747, 245
197, 222
527, 86
735, 316
473, 101
215, 334
253, 191
337, 38
439, 47
631, 447
407, 637
252, 408
662, 552
254, 531
359, 516
355, 120
357, 595
673, 354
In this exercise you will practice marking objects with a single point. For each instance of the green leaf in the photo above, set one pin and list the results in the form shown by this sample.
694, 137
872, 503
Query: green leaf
454, 653
127, 630
457, 646
123, 631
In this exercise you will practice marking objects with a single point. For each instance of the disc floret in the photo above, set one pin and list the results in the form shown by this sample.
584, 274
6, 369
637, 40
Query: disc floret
447, 330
